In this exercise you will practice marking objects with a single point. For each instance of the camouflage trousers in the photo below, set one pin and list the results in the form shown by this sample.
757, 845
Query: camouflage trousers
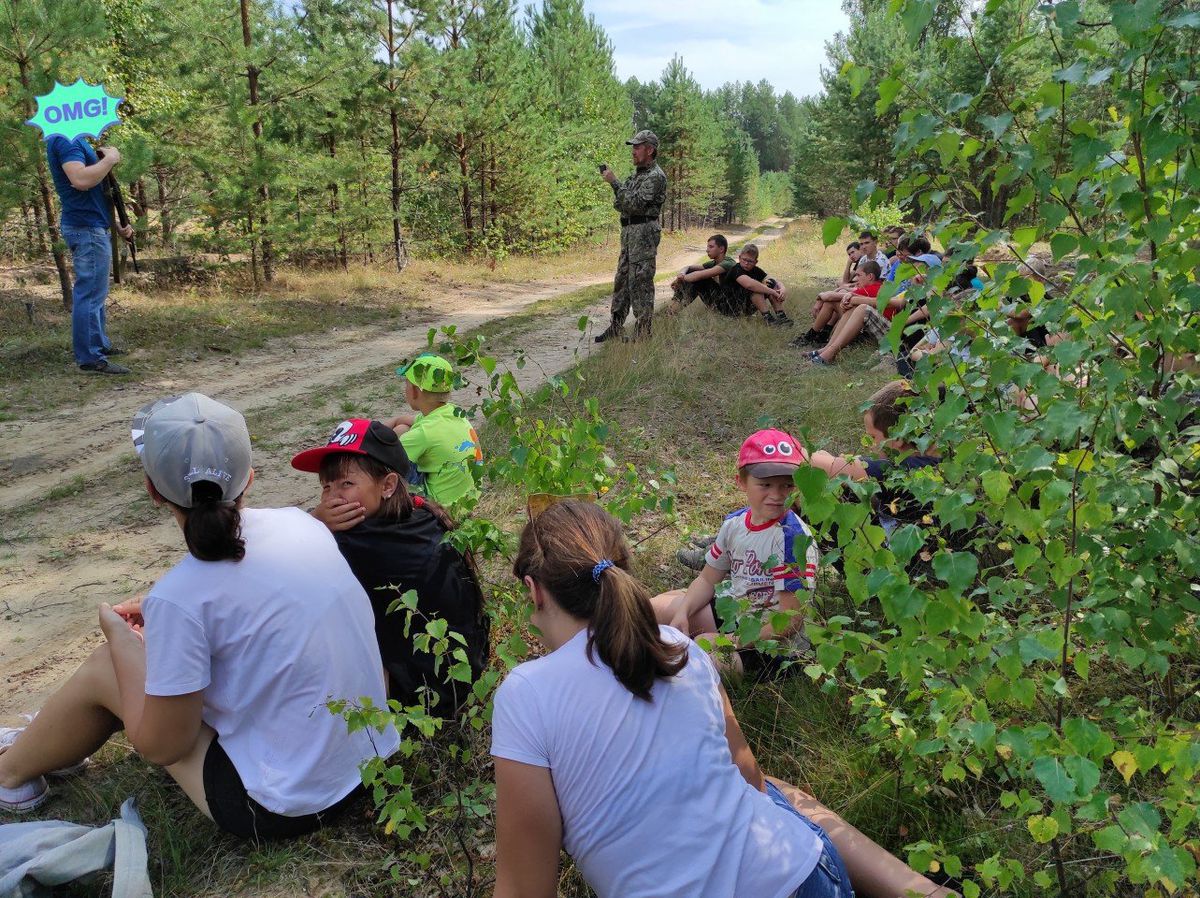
634, 283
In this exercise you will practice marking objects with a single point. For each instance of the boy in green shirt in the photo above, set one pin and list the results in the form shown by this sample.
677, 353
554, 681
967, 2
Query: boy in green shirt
439, 439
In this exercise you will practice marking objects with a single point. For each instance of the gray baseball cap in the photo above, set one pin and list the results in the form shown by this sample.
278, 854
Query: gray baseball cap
644, 136
186, 439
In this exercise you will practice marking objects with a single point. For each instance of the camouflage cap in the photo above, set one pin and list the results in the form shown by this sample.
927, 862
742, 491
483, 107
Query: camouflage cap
644, 136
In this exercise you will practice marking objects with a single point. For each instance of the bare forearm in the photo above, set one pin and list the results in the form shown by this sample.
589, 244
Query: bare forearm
129, 661
91, 175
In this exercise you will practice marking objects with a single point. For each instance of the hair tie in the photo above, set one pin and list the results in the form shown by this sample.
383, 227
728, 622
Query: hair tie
418, 502
601, 566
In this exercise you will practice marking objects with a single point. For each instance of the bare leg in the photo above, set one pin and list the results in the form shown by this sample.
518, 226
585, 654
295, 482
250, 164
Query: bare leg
726, 660
78, 719
874, 872
74, 723
848, 328
700, 622
826, 314
760, 302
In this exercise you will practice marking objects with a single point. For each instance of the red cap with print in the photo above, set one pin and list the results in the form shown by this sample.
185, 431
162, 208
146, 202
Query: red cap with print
770, 453
358, 436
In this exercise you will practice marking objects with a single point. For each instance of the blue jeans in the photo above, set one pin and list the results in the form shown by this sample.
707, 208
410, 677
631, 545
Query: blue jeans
91, 257
829, 879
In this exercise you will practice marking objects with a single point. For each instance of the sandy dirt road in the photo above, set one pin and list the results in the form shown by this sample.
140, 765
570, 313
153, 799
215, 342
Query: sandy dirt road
76, 527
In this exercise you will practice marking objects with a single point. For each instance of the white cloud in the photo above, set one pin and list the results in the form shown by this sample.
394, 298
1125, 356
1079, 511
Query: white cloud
782, 41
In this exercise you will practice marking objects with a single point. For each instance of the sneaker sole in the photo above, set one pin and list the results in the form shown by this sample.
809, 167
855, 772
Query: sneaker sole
29, 804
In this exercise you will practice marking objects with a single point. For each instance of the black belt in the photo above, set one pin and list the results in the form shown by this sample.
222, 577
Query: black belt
637, 219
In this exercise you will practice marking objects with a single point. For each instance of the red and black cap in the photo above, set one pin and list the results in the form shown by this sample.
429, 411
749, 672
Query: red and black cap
358, 436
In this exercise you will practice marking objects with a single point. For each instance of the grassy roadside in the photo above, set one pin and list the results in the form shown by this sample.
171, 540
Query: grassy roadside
169, 327
686, 398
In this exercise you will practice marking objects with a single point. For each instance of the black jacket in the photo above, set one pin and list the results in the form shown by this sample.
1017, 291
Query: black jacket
391, 557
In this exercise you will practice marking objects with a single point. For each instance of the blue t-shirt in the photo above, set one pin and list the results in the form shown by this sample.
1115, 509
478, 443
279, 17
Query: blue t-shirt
80, 208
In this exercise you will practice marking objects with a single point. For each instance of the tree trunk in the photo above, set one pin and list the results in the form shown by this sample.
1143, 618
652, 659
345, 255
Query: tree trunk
43, 176
468, 217
40, 228
398, 243
483, 188
164, 210
264, 192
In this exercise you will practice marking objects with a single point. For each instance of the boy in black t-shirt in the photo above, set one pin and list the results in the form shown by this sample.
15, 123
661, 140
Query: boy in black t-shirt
752, 289
892, 506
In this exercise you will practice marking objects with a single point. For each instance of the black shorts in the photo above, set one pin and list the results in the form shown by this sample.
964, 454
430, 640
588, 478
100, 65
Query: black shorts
234, 811
755, 663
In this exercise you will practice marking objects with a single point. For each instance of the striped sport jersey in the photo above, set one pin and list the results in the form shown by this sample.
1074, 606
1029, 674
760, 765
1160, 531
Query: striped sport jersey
761, 559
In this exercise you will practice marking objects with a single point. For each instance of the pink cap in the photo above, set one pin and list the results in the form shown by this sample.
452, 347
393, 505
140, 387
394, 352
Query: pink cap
770, 453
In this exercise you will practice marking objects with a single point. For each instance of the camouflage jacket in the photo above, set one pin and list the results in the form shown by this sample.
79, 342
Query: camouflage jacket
642, 193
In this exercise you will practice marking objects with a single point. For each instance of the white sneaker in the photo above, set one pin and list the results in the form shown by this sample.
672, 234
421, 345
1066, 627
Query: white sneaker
8, 735
25, 797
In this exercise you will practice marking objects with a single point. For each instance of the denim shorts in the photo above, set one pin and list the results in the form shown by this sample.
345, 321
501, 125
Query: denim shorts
829, 879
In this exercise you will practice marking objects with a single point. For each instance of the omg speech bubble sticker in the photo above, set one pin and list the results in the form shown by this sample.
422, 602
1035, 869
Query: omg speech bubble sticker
74, 110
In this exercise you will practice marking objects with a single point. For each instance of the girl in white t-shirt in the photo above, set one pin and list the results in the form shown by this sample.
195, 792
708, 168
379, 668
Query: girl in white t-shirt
222, 672
621, 747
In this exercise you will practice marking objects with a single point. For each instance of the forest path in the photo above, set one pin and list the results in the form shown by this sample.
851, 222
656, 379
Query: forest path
77, 529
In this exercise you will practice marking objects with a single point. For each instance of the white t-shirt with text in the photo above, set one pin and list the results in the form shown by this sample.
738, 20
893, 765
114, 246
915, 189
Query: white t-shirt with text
761, 559
651, 801
270, 640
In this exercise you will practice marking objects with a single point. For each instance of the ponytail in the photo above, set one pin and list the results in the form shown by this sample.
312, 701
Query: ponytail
624, 632
213, 527
577, 551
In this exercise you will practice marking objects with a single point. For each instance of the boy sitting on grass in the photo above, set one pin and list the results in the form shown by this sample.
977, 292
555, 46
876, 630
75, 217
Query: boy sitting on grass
751, 289
834, 306
439, 440
755, 551
883, 413
704, 280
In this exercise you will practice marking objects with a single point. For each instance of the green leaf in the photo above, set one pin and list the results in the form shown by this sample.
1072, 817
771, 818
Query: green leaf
958, 569
1054, 779
1072, 74
888, 89
1043, 829
997, 485
947, 144
1061, 244
906, 542
810, 481
831, 230
862, 191
916, 15
857, 75
1023, 556
996, 124
1025, 237
958, 102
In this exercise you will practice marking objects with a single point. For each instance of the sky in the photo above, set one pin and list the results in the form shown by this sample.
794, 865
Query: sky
723, 40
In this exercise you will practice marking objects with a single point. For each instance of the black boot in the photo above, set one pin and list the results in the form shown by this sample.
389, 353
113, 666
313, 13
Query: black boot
612, 332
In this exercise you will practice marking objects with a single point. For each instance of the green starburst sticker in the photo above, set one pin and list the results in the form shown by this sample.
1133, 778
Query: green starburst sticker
74, 110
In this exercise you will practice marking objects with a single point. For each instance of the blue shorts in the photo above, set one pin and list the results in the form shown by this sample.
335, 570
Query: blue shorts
830, 878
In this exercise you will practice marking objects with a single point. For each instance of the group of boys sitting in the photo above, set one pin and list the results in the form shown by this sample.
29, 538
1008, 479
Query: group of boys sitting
841, 316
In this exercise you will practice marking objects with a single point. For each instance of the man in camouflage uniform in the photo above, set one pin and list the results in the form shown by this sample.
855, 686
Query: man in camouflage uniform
639, 199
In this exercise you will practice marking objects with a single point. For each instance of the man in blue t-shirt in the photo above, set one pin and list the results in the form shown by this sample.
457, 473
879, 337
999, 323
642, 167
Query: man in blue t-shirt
79, 175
